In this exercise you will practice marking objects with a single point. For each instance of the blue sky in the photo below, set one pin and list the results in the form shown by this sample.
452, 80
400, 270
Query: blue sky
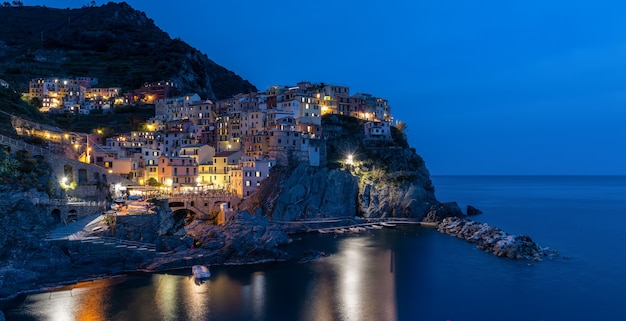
486, 87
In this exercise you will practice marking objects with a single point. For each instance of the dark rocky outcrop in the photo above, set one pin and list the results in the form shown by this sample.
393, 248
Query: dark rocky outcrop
494, 240
243, 239
471, 210
312, 255
386, 179
306, 192
444, 210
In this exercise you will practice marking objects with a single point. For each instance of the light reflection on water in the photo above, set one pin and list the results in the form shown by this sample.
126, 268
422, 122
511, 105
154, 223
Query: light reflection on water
355, 283
86, 301
407, 274
166, 294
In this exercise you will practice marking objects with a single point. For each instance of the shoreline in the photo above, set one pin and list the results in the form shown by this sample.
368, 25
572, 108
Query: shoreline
18, 298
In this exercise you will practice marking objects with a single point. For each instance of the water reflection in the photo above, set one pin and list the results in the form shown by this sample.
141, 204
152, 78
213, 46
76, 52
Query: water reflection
166, 295
357, 282
197, 298
85, 301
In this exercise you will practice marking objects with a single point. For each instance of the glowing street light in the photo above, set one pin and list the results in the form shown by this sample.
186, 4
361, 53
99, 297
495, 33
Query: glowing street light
350, 159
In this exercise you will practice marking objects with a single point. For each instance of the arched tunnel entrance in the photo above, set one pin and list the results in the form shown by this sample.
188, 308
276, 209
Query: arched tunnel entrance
183, 217
56, 215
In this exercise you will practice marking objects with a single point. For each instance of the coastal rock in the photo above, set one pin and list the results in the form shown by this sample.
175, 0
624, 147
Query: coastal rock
312, 255
243, 239
167, 222
471, 210
494, 240
385, 178
315, 192
443, 210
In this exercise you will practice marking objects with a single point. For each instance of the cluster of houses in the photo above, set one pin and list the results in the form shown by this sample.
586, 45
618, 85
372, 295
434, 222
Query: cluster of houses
192, 145
82, 95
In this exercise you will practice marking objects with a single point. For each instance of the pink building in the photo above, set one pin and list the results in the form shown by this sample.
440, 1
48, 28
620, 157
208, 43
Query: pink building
177, 172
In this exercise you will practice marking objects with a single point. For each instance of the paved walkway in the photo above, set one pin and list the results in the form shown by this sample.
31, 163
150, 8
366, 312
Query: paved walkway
75, 230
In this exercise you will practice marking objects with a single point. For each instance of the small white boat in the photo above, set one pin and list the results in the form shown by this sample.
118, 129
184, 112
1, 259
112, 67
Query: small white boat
385, 224
324, 231
377, 227
200, 272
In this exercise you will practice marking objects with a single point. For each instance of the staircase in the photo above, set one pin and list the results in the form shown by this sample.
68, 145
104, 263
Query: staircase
76, 232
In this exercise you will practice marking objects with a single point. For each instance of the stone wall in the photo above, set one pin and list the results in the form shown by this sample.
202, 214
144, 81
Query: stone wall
92, 180
140, 228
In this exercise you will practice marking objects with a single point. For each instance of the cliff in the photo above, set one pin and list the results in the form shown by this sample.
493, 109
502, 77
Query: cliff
115, 43
385, 178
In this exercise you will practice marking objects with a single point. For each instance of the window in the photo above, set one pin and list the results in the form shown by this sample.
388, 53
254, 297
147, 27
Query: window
247, 183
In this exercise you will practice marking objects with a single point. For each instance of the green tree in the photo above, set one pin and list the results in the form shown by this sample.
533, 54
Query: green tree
153, 182
36, 102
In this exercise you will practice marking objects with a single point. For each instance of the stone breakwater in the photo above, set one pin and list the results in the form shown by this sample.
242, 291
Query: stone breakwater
494, 240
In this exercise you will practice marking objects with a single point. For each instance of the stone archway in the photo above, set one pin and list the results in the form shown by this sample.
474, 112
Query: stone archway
82, 176
72, 215
56, 215
183, 217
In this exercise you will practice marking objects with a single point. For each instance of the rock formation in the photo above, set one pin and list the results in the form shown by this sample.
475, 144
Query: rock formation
243, 239
438, 212
386, 178
471, 210
494, 240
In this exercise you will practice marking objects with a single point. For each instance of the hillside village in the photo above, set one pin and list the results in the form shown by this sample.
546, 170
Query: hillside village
193, 145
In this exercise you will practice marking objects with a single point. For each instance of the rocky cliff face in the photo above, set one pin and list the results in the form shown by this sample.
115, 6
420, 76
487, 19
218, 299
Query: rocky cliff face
24, 253
305, 192
386, 178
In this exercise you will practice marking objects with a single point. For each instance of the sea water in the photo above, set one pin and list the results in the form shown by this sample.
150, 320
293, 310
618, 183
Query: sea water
408, 273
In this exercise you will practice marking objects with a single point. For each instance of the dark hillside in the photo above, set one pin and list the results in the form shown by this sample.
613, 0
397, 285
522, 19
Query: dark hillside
114, 43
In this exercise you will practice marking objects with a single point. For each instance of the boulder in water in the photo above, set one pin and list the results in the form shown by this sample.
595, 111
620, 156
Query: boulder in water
471, 210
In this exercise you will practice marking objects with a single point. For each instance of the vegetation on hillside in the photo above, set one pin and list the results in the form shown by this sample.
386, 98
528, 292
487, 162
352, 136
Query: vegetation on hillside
12, 104
122, 120
120, 46
21, 171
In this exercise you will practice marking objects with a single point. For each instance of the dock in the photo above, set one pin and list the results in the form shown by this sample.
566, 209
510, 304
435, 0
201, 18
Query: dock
341, 225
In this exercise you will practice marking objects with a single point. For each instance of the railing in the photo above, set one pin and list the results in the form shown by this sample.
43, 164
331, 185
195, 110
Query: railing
22, 144
59, 202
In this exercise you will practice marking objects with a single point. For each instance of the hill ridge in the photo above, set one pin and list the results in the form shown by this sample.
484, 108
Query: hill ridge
117, 44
